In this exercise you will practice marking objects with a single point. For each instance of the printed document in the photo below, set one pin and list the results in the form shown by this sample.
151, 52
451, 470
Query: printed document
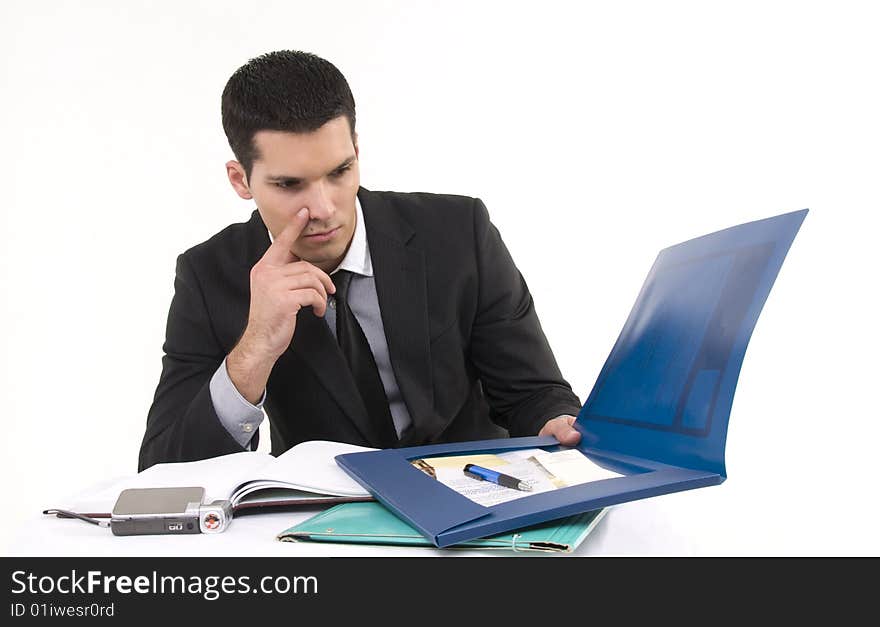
543, 471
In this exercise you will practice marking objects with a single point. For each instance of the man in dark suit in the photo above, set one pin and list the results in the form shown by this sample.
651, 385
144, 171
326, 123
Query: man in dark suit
376, 318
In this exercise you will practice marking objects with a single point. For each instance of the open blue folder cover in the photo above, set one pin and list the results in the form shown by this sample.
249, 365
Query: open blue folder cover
658, 412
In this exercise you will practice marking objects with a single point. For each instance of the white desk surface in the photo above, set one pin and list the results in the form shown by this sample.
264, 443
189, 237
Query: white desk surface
710, 521
254, 536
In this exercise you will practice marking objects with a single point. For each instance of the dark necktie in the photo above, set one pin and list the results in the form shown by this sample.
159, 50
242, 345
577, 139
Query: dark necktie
356, 350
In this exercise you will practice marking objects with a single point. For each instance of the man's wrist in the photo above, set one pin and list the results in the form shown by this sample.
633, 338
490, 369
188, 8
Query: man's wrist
249, 369
240, 417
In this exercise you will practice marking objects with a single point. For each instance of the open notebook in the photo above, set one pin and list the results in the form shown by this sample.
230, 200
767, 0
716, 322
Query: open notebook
304, 474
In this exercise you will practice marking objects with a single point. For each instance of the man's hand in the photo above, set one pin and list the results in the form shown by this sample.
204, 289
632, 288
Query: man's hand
281, 285
561, 428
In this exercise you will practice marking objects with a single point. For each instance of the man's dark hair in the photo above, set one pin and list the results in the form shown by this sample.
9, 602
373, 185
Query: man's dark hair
287, 90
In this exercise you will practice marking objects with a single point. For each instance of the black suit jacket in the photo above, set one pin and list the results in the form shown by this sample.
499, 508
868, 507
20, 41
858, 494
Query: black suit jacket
465, 342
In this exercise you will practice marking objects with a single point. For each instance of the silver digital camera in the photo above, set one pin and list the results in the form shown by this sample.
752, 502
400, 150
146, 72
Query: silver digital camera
168, 511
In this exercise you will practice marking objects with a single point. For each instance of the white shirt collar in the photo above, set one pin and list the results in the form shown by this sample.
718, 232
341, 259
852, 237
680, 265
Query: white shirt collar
357, 259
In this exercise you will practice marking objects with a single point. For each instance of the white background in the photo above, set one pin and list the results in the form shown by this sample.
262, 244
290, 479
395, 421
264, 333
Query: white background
596, 134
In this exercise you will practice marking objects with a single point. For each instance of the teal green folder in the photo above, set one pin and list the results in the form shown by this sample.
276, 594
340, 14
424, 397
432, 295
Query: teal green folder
372, 523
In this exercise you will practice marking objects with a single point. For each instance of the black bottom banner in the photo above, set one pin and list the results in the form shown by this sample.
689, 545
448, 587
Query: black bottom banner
136, 590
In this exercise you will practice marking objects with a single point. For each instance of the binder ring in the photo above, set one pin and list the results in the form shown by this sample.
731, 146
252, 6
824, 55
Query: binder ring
516, 536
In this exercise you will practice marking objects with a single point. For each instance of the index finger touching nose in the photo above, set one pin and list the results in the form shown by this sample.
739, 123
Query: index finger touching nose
279, 251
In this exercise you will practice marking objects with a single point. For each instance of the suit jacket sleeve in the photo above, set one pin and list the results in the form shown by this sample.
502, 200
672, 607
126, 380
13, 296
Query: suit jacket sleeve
182, 424
519, 374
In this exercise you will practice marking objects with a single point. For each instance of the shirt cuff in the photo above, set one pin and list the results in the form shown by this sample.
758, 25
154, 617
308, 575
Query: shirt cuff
241, 418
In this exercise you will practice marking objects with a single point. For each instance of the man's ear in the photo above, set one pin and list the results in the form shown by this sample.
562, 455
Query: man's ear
238, 179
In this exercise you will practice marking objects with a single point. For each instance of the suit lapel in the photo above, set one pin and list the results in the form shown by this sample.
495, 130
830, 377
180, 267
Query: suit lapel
315, 345
401, 287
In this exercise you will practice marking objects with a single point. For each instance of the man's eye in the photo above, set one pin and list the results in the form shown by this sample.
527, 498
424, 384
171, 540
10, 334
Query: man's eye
287, 185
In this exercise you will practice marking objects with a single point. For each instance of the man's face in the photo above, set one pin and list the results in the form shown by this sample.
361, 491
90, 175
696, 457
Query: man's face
317, 170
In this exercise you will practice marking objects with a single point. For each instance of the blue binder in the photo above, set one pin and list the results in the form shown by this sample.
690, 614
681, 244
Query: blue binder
658, 412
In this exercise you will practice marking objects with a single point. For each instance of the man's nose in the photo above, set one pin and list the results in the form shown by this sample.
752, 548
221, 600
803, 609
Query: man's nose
319, 204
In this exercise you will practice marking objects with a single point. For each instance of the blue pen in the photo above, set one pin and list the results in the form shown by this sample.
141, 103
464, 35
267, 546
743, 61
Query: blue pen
485, 474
